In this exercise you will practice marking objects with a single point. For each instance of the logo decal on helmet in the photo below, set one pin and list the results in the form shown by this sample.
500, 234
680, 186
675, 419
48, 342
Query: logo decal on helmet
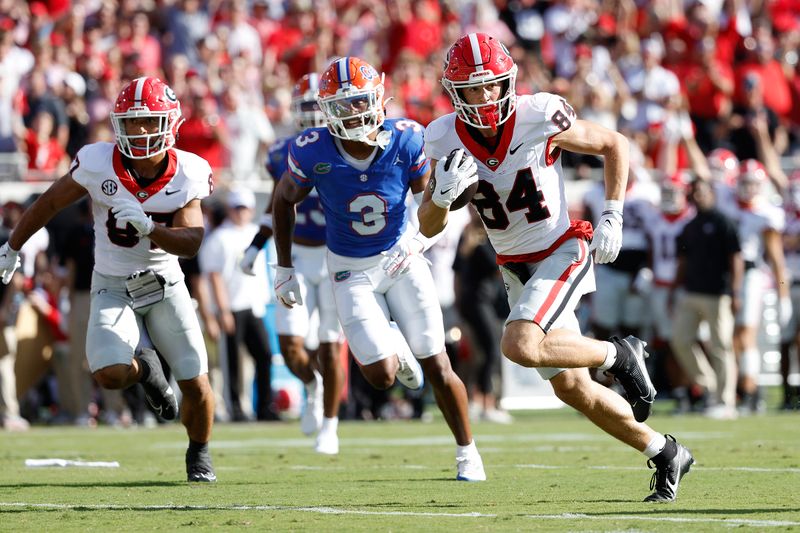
368, 71
109, 187
170, 94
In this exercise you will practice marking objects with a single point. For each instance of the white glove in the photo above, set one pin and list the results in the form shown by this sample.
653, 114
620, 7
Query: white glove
131, 212
401, 254
607, 238
287, 288
9, 262
248, 260
643, 282
784, 311
454, 174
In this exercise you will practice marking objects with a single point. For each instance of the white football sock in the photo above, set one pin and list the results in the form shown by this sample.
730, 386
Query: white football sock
655, 446
330, 424
611, 356
466, 451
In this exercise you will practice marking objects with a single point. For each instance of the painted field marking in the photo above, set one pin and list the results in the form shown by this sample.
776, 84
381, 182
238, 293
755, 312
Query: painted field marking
333, 510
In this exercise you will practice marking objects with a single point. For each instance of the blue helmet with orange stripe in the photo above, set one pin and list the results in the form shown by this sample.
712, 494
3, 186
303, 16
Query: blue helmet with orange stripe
351, 97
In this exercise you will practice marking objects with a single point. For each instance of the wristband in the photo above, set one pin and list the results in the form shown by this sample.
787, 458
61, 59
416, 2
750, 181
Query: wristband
614, 205
426, 242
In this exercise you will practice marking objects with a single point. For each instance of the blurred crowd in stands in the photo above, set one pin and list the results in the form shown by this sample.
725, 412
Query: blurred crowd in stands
680, 78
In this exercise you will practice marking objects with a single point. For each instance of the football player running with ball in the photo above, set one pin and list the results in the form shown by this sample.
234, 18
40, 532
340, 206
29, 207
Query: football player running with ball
362, 167
322, 390
146, 208
545, 258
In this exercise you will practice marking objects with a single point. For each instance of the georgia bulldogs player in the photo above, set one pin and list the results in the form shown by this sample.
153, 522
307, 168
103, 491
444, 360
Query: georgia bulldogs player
545, 259
760, 226
146, 207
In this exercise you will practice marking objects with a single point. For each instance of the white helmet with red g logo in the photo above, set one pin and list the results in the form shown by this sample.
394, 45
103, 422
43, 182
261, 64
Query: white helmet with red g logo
475, 60
144, 98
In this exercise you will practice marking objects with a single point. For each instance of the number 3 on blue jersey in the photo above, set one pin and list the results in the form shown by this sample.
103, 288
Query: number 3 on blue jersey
372, 209
364, 208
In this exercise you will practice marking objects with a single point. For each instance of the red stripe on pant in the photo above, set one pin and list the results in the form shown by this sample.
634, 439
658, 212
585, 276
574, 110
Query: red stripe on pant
559, 285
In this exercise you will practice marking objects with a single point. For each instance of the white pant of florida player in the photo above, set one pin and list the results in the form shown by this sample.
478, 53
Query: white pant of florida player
115, 331
552, 292
315, 287
367, 299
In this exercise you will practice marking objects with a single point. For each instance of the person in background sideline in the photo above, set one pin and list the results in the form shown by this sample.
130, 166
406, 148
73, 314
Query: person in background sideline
709, 278
241, 301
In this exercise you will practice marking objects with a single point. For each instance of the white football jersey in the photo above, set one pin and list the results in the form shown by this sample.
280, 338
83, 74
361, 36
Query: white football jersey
751, 223
119, 251
520, 196
664, 231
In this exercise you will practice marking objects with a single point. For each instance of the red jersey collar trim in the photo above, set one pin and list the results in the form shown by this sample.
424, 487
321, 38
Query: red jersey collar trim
492, 159
129, 182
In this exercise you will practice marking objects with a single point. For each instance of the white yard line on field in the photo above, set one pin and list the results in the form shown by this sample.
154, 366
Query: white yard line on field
333, 510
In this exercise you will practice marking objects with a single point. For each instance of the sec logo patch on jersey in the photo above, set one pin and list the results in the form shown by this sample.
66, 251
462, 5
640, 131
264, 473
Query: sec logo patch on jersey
109, 187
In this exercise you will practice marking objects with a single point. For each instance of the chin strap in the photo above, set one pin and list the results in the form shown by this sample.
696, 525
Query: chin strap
382, 140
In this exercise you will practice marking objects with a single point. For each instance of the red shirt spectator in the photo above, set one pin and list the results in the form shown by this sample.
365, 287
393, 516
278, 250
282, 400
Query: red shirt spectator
204, 133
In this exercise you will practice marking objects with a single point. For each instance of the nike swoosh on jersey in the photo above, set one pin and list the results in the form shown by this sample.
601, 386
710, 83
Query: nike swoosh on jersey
171, 192
517, 147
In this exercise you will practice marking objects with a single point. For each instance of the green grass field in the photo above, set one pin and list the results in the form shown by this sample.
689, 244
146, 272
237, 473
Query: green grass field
549, 471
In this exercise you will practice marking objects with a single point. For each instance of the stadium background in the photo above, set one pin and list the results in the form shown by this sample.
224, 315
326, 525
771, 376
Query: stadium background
233, 65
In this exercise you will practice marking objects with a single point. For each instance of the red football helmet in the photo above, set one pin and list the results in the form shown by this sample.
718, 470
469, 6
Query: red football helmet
673, 192
751, 177
475, 60
351, 97
146, 97
724, 166
305, 107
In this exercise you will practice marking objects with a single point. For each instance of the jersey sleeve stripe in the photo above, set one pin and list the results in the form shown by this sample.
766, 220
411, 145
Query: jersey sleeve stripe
297, 173
419, 170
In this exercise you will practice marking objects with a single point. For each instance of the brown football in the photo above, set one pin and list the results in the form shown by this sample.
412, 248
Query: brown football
465, 197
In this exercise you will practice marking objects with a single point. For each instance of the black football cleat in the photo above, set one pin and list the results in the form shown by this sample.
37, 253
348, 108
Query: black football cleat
157, 392
667, 477
630, 371
199, 468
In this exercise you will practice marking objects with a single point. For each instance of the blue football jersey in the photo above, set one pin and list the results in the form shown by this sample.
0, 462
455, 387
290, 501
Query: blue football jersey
310, 220
365, 210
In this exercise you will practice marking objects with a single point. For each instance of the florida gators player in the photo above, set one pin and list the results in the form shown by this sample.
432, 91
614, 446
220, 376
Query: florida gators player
545, 259
323, 392
146, 207
362, 167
